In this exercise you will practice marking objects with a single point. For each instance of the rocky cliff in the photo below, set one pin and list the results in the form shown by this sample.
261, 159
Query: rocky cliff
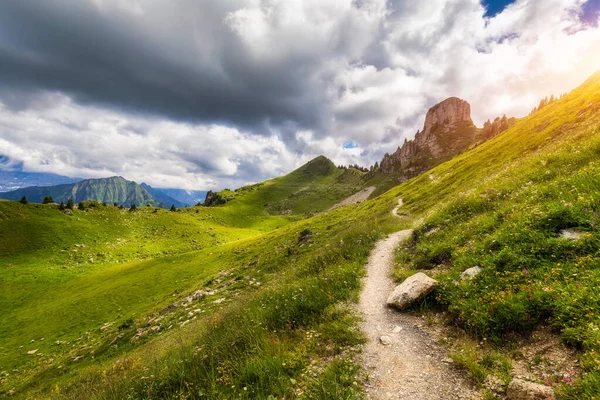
448, 131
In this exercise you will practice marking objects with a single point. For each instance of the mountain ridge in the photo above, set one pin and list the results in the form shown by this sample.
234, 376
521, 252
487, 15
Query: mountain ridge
115, 189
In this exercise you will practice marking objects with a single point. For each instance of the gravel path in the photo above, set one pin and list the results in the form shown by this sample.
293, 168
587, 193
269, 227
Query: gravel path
401, 360
357, 197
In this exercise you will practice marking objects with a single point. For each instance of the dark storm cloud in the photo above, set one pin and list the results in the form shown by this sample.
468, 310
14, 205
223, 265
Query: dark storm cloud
212, 93
114, 59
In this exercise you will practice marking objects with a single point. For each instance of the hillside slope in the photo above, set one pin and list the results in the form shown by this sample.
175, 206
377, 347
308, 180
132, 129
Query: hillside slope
314, 187
523, 207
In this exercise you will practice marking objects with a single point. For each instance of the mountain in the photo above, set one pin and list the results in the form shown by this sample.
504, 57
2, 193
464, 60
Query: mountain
187, 197
160, 196
314, 187
12, 180
109, 190
447, 132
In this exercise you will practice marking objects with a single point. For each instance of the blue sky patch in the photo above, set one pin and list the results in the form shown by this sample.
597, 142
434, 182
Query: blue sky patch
495, 7
350, 145
591, 12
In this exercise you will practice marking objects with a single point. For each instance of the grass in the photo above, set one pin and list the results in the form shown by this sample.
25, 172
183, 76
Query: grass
293, 317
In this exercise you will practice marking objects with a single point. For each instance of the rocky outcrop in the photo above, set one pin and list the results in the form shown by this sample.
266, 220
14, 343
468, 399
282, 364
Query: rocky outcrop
210, 198
491, 129
411, 290
446, 114
448, 130
523, 390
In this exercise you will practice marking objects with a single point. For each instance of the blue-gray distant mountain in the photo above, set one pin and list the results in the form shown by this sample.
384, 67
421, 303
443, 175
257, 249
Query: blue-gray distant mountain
109, 190
12, 180
160, 196
188, 197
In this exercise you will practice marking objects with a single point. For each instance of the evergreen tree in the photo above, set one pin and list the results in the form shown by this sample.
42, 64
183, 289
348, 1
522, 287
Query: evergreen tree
48, 200
24, 200
133, 207
61, 206
115, 204
81, 206
173, 207
70, 204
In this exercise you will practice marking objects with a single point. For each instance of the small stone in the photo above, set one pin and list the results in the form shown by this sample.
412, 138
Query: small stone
385, 340
470, 273
397, 329
30, 352
570, 234
447, 360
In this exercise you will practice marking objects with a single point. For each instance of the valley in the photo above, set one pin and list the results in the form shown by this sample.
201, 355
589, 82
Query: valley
254, 294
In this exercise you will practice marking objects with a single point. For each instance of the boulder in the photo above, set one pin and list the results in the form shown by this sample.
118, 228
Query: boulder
519, 389
470, 273
411, 290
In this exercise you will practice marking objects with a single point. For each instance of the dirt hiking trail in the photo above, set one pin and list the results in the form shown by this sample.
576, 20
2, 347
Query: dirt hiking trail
402, 361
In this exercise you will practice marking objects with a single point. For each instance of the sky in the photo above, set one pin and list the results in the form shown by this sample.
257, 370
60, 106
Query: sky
207, 94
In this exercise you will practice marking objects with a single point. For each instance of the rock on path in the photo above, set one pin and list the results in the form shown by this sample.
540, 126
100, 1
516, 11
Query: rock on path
410, 365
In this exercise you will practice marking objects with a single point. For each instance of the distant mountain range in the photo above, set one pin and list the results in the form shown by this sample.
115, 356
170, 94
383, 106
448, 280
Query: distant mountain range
184, 197
36, 185
13, 180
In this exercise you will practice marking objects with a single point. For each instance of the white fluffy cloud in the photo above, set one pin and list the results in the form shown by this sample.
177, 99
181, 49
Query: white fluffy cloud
213, 94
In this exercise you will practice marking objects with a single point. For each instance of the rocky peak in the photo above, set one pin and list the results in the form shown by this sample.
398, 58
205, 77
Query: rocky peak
447, 113
448, 129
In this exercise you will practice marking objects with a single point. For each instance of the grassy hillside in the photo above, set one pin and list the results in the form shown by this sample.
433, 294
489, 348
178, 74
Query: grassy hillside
312, 188
257, 306
504, 207
106, 265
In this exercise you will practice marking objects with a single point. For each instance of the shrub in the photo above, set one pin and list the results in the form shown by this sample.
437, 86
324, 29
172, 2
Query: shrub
24, 200
81, 206
48, 200
61, 206
133, 207
70, 204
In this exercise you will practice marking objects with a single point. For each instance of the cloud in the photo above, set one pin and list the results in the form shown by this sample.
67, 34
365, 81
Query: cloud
205, 94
